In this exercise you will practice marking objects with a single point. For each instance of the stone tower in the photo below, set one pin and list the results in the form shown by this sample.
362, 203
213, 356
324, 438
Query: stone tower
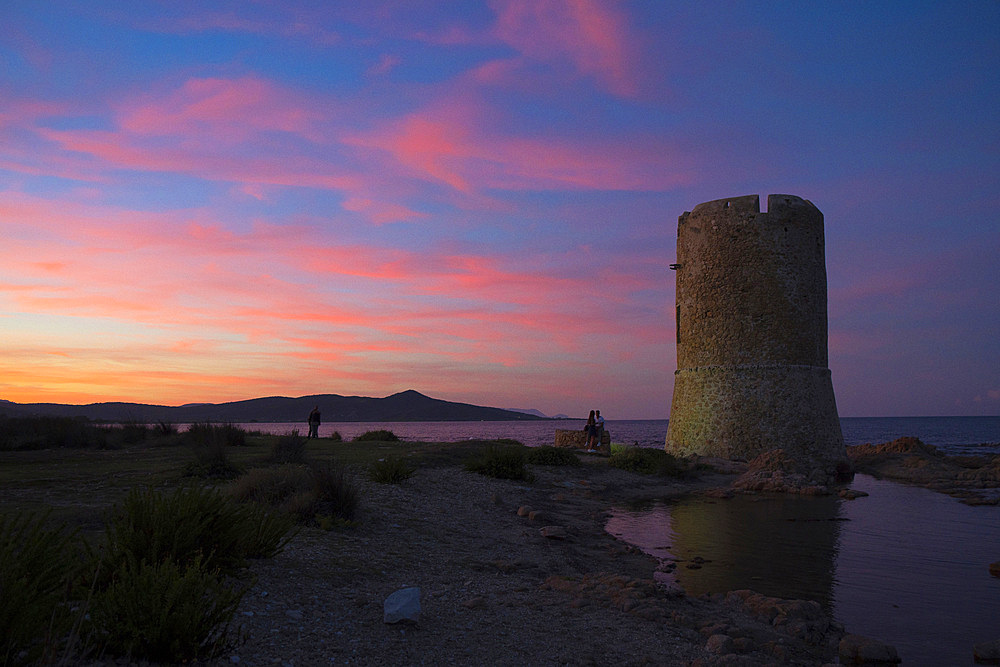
752, 363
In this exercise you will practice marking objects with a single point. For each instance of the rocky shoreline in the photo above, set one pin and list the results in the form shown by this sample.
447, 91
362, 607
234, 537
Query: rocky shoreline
975, 480
523, 573
509, 573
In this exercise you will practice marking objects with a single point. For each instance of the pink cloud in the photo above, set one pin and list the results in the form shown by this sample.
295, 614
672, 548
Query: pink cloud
386, 63
448, 143
381, 212
592, 35
221, 109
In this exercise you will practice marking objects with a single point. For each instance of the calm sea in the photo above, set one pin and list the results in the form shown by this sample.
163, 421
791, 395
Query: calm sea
952, 434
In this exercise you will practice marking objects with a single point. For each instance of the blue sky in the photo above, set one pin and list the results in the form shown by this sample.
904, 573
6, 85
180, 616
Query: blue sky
209, 201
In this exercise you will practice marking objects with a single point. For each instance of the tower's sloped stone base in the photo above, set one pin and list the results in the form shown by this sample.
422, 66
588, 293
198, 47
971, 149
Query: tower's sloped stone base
738, 412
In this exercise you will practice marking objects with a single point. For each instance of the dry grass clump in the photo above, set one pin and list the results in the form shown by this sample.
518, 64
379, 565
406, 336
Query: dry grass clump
302, 492
501, 462
390, 470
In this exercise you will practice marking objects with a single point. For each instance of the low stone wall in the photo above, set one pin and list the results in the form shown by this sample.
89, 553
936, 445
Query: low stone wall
578, 440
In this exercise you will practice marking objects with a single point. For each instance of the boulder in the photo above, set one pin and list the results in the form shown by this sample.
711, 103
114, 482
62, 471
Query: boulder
987, 653
858, 650
403, 606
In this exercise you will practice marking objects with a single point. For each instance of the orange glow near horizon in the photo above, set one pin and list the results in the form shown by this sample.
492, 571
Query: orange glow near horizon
477, 200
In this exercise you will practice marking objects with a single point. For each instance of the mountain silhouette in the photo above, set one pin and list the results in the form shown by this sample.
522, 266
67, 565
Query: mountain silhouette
405, 406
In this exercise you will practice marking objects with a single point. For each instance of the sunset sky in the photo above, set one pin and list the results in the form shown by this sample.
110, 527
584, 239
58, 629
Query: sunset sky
214, 201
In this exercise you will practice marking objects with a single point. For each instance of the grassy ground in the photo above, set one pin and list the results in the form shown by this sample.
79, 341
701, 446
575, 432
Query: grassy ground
80, 485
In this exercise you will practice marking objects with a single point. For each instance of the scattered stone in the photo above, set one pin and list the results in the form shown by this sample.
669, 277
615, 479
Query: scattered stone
553, 532
536, 515
402, 606
995, 569
294, 614
858, 650
478, 602
851, 494
987, 652
523, 510
719, 644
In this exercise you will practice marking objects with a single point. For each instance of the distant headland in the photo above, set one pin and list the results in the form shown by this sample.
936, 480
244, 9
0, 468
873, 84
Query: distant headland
405, 406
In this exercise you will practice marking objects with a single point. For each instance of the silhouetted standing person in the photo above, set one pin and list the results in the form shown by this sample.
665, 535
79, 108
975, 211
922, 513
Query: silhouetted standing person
590, 429
598, 430
314, 420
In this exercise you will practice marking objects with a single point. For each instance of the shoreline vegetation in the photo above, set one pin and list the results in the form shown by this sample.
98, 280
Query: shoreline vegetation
505, 543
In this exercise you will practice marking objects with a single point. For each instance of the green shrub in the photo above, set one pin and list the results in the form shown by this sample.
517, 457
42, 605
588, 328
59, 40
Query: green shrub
301, 492
164, 611
185, 525
647, 461
501, 463
618, 447
50, 433
133, 432
164, 429
390, 470
336, 437
209, 443
381, 435
228, 435
271, 486
289, 448
547, 455
336, 492
37, 565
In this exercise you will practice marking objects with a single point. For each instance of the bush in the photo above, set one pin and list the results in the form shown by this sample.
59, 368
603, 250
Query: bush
381, 435
272, 486
37, 565
132, 432
390, 470
186, 525
547, 455
290, 448
301, 492
164, 429
164, 611
336, 492
647, 461
501, 463
164, 585
336, 437
50, 433
208, 442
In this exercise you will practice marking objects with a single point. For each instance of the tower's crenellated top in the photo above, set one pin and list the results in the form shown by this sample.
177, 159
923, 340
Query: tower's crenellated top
751, 285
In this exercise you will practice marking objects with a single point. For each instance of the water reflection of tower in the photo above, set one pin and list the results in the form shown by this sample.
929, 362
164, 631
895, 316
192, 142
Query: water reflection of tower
779, 546
752, 370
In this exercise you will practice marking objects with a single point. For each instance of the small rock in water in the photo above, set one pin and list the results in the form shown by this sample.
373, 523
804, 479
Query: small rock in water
987, 652
523, 510
858, 650
995, 569
402, 606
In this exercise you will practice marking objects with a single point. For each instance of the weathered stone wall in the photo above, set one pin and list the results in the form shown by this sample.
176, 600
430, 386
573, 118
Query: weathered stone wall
752, 332
578, 439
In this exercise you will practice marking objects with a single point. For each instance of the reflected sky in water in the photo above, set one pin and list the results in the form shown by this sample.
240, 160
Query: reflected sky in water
905, 565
